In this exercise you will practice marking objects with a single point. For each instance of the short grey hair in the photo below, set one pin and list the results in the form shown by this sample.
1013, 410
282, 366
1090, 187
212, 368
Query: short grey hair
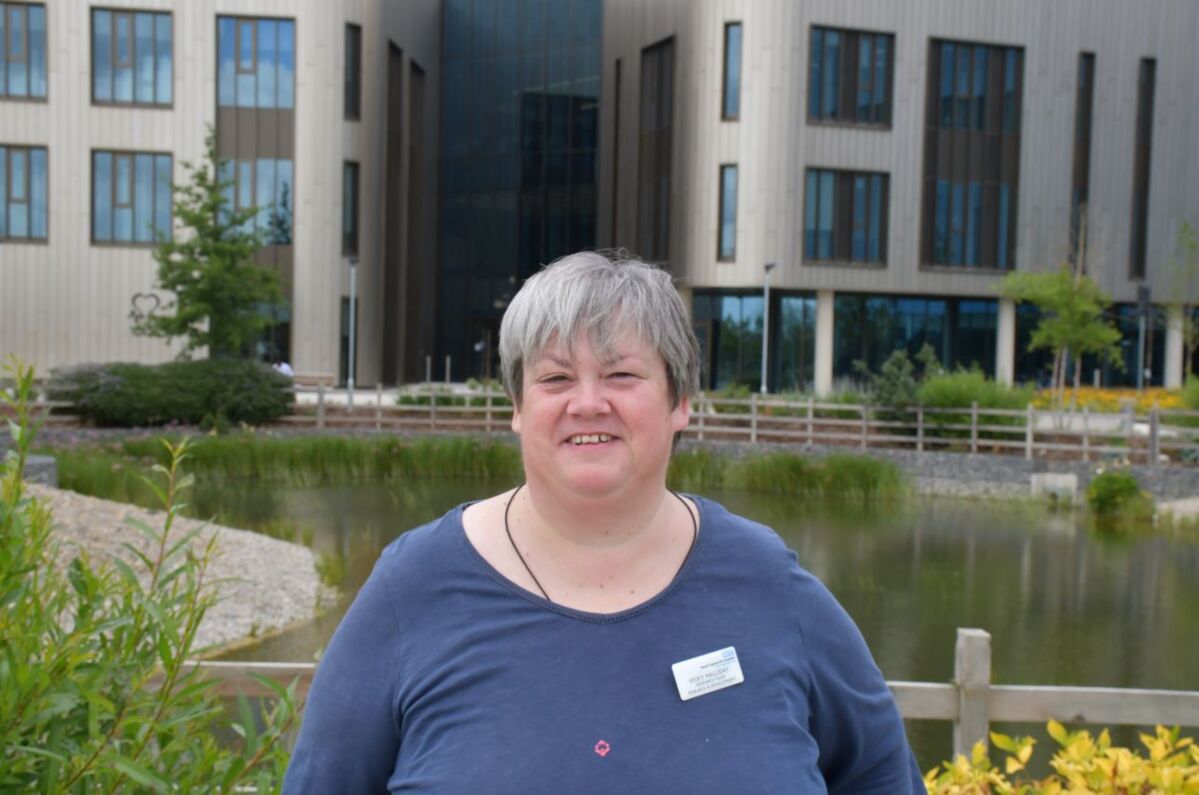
603, 297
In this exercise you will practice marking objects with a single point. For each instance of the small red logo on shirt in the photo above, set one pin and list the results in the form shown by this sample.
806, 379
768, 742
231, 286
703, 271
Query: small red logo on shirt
602, 748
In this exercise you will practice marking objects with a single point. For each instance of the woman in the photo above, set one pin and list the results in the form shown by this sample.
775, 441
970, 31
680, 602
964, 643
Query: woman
590, 630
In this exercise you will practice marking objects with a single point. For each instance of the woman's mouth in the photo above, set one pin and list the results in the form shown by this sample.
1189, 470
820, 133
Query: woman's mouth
589, 438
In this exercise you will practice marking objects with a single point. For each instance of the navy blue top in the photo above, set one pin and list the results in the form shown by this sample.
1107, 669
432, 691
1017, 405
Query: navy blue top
446, 677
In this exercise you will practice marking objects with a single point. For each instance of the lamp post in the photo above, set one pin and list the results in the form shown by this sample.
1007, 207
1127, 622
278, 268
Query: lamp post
766, 322
353, 323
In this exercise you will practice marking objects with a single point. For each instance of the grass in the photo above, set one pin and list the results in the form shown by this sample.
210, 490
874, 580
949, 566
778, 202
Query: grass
843, 477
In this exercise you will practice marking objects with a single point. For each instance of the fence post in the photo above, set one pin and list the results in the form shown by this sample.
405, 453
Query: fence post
865, 419
919, 429
1028, 424
700, 405
972, 675
432, 409
1086, 436
753, 418
974, 426
811, 418
320, 406
379, 407
487, 424
1154, 436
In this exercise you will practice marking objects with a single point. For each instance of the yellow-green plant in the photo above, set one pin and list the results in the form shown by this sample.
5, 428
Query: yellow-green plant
95, 691
1083, 765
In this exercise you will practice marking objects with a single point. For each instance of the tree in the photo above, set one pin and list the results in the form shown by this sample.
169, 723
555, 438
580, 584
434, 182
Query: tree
219, 291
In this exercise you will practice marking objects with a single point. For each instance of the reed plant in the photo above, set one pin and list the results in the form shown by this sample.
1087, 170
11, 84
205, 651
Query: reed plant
838, 477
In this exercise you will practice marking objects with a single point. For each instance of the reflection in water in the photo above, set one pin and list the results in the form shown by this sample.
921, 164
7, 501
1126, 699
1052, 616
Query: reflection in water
1063, 606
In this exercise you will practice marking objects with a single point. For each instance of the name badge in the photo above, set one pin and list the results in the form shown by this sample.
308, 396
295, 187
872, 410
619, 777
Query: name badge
707, 673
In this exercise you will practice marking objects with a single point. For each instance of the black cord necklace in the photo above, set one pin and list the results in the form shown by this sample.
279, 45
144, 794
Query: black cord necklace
540, 587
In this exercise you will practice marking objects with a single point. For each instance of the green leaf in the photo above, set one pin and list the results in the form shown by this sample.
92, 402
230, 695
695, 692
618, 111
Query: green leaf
138, 773
1003, 742
1058, 732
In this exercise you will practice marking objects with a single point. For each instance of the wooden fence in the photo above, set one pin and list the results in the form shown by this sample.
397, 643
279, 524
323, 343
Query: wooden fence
1156, 437
970, 701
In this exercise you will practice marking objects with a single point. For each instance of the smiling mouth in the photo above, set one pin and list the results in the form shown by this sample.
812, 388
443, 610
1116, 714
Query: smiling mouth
589, 438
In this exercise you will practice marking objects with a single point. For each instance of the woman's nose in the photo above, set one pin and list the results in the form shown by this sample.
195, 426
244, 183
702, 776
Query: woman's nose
588, 398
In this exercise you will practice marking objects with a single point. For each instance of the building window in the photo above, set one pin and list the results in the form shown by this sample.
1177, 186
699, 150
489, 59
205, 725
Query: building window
22, 193
1080, 181
972, 155
265, 185
849, 79
131, 197
727, 239
729, 329
256, 62
22, 51
845, 216
654, 151
353, 72
1142, 155
349, 208
731, 104
131, 57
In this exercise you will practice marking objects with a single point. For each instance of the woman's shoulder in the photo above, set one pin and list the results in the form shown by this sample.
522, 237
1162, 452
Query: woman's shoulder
742, 536
431, 541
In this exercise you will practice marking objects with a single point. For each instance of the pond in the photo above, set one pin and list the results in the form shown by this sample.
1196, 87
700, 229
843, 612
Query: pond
1063, 605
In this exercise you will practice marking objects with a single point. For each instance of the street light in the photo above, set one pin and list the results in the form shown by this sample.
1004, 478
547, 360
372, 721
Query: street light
353, 322
766, 321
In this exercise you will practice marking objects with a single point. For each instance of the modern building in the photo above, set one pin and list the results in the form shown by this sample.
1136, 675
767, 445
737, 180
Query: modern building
892, 161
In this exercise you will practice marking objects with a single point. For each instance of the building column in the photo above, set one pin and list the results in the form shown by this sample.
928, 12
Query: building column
824, 342
1005, 342
1174, 350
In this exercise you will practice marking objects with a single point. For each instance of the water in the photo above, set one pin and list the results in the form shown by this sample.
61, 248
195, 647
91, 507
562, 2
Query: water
1063, 605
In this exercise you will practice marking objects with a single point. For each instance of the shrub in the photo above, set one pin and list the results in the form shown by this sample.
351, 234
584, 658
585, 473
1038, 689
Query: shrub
1190, 393
1083, 764
95, 695
207, 391
961, 388
1115, 494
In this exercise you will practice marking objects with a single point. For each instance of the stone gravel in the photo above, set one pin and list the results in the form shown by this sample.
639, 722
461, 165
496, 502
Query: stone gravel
262, 583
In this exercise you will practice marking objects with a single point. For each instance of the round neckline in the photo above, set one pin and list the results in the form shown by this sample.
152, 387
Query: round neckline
585, 615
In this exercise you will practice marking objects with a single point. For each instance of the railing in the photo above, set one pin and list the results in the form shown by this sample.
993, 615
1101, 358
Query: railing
1169, 436
970, 700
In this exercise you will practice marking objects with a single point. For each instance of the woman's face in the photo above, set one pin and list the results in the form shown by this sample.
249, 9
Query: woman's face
592, 428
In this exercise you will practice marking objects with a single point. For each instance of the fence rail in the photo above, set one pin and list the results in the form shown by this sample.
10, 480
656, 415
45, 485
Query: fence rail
1157, 437
970, 701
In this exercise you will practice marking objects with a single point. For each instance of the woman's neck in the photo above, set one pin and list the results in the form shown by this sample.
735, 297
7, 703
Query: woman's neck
607, 523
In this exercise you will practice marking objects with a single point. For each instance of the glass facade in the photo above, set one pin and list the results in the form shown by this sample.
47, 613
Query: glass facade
131, 197
256, 62
726, 244
266, 184
849, 76
793, 343
23, 210
520, 100
349, 208
353, 87
869, 328
22, 51
731, 104
729, 328
1037, 366
845, 216
132, 60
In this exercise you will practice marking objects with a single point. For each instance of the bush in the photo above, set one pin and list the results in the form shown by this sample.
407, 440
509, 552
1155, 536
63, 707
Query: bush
1190, 393
961, 388
210, 392
1115, 494
1083, 764
95, 695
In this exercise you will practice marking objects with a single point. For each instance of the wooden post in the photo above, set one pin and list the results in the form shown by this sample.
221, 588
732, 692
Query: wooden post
1154, 436
865, 420
972, 676
753, 418
378, 407
1086, 436
811, 417
974, 426
1028, 425
699, 402
432, 409
320, 406
920, 429
487, 424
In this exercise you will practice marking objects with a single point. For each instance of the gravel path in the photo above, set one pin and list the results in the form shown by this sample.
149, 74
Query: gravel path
264, 583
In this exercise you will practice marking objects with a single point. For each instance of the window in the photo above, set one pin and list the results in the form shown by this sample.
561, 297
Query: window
731, 105
349, 208
256, 63
972, 155
1081, 177
131, 197
654, 151
727, 238
131, 57
22, 193
353, 72
22, 51
846, 216
849, 76
1140, 174
264, 184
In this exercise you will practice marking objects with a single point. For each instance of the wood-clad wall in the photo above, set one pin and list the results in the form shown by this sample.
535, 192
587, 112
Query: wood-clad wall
772, 143
66, 301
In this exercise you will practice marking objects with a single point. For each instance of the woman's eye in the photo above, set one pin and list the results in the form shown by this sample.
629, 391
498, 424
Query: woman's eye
623, 374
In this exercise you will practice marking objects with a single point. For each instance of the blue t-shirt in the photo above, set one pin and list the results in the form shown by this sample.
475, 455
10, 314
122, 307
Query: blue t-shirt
445, 677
